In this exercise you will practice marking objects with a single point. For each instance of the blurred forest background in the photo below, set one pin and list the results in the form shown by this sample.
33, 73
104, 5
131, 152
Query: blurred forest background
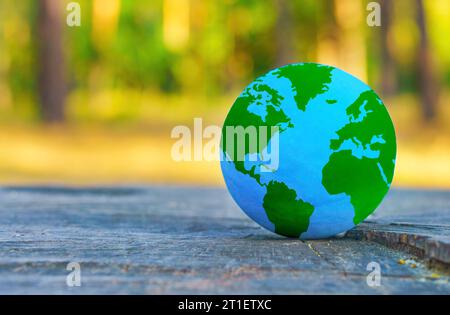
95, 103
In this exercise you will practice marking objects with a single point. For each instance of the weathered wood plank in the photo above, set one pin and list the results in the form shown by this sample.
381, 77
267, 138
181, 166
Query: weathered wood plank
161, 240
414, 221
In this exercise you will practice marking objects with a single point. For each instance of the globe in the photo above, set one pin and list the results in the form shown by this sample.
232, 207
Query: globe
308, 151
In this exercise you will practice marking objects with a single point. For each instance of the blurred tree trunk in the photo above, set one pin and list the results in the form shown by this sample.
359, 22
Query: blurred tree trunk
328, 36
283, 33
427, 82
388, 66
349, 16
52, 86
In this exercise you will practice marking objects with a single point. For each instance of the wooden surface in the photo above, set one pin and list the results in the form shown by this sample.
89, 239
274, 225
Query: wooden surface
180, 240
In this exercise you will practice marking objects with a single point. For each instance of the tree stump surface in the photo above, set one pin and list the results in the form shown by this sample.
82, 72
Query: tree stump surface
195, 240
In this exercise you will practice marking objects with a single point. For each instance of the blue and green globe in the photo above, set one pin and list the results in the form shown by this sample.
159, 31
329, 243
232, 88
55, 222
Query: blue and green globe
319, 151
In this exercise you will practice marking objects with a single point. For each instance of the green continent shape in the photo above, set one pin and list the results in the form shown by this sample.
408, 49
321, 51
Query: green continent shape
289, 214
347, 174
362, 179
308, 80
240, 116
